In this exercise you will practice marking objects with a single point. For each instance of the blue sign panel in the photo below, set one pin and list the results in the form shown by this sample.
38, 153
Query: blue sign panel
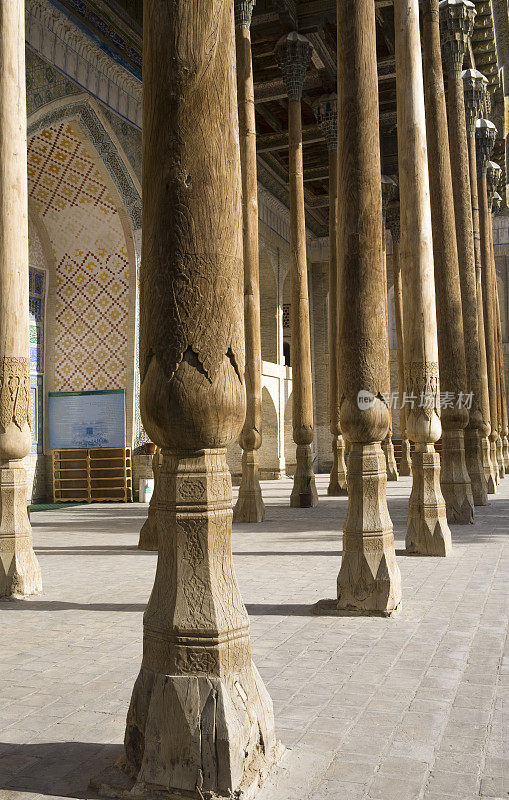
86, 419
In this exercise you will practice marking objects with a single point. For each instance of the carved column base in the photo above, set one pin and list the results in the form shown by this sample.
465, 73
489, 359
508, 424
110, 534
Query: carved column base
148, 535
455, 480
489, 472
20, 573
494, 461
500, 458
405, 465
428, 533
505, 450
337, 484
249, 506
200, 723
473, 458
194, 737
390, 460
369, 580
304, 494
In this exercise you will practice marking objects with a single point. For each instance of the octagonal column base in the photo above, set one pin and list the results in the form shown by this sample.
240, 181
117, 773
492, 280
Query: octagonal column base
428, 533
304, 493
20, 573
338, 483
249, 506
390, 460
455, 480
473, 459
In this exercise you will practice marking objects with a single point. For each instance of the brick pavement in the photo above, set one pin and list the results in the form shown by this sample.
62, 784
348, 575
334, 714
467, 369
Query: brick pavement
368, 708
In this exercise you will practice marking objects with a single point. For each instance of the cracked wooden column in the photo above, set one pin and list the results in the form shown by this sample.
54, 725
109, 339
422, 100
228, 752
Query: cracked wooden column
389, 187
493, 174
496, 206
200, 723
19, 569
393, 224
369, 580
485, 134
326, 112
427, 529
477, 448
293, 53
454, 477
249, 506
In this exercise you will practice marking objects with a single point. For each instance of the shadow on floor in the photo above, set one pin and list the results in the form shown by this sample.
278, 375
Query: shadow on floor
54, 768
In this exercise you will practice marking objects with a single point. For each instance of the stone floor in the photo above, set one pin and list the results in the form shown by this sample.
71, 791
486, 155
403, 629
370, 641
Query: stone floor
367, 708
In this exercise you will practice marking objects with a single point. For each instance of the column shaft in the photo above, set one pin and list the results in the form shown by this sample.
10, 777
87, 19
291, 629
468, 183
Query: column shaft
500, 364
19, 570
454, 478
427, 529
337, 483
489, 316
369, 580
405, 465
477, 436
304, 490
249, 506
200, 721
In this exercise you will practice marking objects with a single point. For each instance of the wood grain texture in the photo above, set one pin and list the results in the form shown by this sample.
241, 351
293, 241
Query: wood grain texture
454, 477
19, 570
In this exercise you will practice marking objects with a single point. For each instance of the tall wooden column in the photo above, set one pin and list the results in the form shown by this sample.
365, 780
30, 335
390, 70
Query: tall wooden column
493, 175
427, 529
249, 506
326, 112
485, 133
369, 580
477, 449
19, 569
389, 188
454, 477
393, 224
496, 206
294, 53
200, 723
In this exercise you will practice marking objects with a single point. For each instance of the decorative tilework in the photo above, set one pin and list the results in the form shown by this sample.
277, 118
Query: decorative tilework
129, 138
36, 396
45, 83
36, 318
92, 271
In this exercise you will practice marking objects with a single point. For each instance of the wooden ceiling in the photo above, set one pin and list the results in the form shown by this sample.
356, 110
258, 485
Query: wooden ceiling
316, 19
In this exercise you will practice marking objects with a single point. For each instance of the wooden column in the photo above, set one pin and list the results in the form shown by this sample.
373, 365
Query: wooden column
249, 506
326, 112
427, 529
496, 206
393, 224
19, 569
477, 448
493, 174
454, 477
294, 53
389, 188
200, 723
369, 580
485, 133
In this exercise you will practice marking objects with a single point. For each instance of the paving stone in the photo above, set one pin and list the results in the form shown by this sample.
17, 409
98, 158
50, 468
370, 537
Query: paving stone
369, 709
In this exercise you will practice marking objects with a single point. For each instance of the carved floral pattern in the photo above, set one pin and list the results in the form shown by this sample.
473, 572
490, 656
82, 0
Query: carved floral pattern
15, 392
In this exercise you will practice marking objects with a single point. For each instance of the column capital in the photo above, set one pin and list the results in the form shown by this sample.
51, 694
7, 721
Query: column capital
389, 187
475, 87
493, 175
393, 221
293, 54
244, 13
326, 112
496, 204
485, 135
456, 28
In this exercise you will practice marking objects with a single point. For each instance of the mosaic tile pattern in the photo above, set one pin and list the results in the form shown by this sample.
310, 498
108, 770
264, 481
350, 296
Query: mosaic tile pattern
45, 83
129, 138
92, 272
